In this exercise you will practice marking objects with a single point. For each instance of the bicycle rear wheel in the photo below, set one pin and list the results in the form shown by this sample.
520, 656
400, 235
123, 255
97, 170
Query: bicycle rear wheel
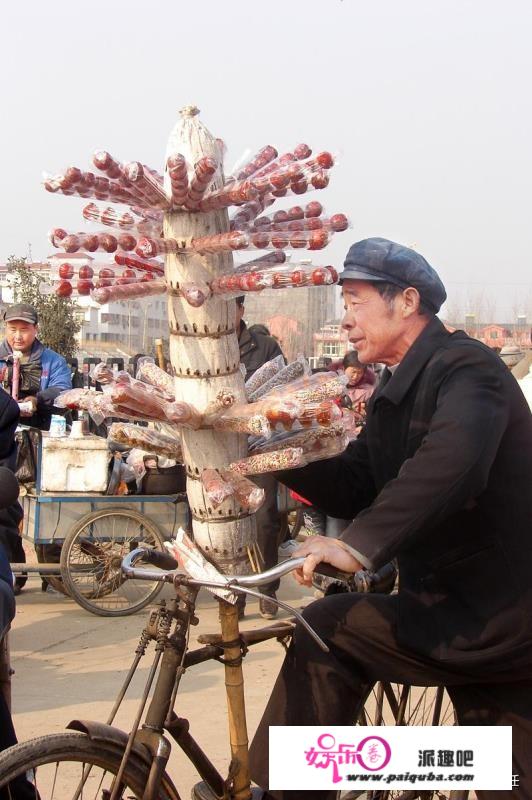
91, 561
70, 765
398, 704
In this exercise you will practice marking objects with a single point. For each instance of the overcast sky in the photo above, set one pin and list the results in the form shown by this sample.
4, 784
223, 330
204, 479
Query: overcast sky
427, 104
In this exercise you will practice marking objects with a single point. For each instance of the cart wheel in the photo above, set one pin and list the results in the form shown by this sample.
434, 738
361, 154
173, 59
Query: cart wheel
50, 554
91, 560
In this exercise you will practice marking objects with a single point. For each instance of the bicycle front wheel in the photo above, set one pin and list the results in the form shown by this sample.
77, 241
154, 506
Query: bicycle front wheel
91, 561
67, 766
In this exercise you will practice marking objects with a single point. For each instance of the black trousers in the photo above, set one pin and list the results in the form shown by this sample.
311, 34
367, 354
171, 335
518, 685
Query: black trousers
317, 688
268, 526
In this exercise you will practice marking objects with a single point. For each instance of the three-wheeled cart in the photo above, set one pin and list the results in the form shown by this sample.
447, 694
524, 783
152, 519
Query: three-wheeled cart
80, 539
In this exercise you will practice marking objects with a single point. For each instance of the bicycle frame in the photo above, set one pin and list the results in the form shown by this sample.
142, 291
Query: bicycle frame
172, 658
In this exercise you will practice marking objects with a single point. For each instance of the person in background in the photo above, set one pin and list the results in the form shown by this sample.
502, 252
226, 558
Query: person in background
43, 373
361, 381
20, 788
11, 516
255, 350
263, 330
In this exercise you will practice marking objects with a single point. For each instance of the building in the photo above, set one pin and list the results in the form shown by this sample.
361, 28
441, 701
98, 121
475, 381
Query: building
292, 315
331, 341
498, 334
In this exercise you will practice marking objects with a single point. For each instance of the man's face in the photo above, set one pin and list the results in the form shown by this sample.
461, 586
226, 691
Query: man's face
373, 325
20, 335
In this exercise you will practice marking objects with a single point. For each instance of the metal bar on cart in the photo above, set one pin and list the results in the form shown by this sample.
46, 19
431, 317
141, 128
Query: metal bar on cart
36, 569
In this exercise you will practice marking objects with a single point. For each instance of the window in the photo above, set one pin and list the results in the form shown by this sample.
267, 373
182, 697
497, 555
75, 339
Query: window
331, 349
110, 319
494, 334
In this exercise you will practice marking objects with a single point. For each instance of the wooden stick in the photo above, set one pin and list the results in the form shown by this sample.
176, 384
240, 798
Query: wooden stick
205, 359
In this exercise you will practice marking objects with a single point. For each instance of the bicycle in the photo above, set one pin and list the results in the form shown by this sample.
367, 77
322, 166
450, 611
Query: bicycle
100, 760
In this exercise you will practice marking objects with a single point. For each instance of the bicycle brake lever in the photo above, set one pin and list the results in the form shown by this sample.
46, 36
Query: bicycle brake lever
319, 641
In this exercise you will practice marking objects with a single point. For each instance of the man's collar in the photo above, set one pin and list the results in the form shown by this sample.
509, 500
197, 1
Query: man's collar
36, 349
397, 385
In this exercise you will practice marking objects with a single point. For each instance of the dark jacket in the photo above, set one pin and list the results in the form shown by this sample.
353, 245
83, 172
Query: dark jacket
9, 517
54, 377
256, 349
441, 479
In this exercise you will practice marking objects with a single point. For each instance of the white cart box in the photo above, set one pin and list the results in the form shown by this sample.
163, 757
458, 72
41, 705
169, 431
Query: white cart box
74, 465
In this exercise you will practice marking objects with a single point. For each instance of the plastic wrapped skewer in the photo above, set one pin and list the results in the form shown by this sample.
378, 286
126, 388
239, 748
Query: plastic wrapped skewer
296, 369
147, 439
275, 461
248, 494
90, 185
290, 414
108, 216
233, 194
98, 404
181, 413
111, 167
309, 439
300, 152
236, 240
135, 400
264, 156
313, 388
216, 488
99, 241
128, 260
149, 186
204, 172
177, 170
109, 377
249, 211
128, 291
148, 372
291, 457
243, 419
263, 374
224, 399
296, 276
312, 210
336, 223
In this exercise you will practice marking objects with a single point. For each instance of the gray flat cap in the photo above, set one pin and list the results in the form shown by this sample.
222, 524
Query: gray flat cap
379, 259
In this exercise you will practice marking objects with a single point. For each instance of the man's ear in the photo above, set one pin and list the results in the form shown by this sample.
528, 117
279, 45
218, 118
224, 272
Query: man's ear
410, 302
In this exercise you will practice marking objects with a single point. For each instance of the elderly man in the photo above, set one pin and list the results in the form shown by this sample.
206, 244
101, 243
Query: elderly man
43, 372
440, 480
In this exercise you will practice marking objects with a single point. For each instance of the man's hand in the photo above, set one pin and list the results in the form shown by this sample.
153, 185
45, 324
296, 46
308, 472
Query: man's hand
28, 410
318, 549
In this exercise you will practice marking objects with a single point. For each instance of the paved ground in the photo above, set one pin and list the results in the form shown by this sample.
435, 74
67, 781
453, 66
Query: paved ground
70, 664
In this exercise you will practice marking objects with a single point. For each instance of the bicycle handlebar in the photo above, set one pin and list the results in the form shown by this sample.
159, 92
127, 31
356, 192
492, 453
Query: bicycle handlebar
362, 581
169, 565
229, 583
